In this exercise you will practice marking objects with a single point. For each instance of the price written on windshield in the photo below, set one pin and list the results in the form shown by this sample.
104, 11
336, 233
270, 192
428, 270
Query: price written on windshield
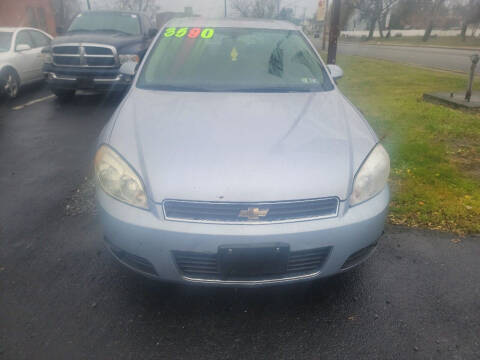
191, 33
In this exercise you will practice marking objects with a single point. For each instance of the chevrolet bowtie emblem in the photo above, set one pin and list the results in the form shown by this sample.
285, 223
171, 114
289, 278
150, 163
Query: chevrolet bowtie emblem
253, 213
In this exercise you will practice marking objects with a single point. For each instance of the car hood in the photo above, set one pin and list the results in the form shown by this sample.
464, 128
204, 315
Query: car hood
118, 40
241, 146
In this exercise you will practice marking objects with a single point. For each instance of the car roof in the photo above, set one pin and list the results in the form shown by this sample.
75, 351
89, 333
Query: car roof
232, 23
13, 29
9, 29
113, 12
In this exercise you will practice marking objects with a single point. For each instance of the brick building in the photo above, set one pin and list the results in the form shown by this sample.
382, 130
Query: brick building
34, 13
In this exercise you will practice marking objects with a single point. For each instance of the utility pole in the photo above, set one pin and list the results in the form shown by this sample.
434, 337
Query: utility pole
334, 33
225, 8
88, 5
325, 28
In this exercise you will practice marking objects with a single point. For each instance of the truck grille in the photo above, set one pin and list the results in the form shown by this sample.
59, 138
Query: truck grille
204, 265
85, 55
250, 212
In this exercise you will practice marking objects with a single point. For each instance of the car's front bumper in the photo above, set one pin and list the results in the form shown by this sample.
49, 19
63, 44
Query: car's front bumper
65, 78
148, 239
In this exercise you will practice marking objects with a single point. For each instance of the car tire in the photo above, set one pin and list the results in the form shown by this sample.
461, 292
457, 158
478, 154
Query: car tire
10, 83
63, 95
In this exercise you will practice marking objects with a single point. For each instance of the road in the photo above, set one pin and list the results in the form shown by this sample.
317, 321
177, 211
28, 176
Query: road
435, 58
62, 296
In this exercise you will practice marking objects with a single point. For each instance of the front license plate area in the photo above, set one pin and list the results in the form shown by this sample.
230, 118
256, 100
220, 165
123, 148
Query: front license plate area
85, 83
241, 261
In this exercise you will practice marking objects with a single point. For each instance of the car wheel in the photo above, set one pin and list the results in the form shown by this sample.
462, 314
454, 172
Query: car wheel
63, 95
11, 83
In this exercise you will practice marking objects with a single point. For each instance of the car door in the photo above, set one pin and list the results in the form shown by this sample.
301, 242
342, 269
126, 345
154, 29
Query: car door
40, 40
25, 59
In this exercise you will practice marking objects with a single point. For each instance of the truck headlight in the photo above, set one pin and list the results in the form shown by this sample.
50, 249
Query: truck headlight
118, 179
126, 58
372, 176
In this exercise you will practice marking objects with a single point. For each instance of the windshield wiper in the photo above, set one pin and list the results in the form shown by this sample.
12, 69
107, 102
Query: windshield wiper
79, 30
113, 30
280, 89
177, 88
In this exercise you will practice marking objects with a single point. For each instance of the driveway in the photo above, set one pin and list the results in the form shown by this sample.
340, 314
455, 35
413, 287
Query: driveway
63, 297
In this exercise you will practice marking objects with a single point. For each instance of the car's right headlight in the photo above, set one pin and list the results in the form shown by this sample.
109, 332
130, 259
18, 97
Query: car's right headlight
118, 179
372, 176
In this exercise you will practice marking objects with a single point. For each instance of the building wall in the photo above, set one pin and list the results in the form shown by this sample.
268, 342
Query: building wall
34, 13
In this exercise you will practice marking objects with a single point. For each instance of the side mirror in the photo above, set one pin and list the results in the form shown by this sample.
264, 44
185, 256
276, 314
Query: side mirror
128, 69
22, 47
336, 71
60, 30
152, 32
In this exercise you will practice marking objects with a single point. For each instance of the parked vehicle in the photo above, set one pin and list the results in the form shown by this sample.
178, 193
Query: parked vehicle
20, 58
234, 159
94, 47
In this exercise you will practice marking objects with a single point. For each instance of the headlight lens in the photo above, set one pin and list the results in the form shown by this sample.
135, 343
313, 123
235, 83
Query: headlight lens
47, 57
372, 176
118, 179
126, 58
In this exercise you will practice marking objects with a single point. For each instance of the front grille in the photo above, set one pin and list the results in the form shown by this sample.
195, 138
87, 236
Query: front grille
85, 55
250, 212
205, 265
66, 61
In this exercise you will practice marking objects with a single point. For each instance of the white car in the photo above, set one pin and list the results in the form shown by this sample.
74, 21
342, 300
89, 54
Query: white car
21, 59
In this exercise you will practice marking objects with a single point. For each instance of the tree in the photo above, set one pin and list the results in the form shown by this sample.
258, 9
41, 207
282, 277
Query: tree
65, 10
147, 6
436, 6
469, 13
257, 8
374, 11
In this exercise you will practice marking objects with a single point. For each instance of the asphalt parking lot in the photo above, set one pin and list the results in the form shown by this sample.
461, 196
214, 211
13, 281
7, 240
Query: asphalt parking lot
62, 296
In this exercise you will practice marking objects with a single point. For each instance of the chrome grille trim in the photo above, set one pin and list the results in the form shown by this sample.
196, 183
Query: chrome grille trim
83, 55
333, 211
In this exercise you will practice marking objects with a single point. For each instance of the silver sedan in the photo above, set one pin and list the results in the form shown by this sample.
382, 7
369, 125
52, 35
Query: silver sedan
235, 160
21, 60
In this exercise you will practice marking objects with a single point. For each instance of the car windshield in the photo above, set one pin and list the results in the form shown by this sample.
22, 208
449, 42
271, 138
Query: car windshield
5, 41
106, 21
232, 59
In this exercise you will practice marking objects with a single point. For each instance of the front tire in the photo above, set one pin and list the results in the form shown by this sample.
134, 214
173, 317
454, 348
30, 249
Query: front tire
63, 95
10, 83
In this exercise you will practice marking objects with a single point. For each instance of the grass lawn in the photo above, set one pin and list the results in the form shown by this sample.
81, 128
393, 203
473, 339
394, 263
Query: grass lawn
447, 41
435, 151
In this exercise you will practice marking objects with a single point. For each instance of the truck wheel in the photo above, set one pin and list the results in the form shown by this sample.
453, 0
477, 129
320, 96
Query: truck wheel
10, 83
63, 95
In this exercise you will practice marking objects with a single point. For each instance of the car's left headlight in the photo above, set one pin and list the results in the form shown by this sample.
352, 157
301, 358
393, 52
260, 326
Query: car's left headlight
372, 176
128, 57
118, 179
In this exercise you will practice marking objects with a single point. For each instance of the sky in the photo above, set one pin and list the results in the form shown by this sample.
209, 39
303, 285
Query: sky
215, 8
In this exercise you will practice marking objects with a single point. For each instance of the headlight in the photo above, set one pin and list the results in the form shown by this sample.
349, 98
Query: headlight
118, 179
372, 176
47, 57
126, 58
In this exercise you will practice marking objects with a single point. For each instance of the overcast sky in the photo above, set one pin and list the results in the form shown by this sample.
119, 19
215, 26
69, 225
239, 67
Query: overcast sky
215, 8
